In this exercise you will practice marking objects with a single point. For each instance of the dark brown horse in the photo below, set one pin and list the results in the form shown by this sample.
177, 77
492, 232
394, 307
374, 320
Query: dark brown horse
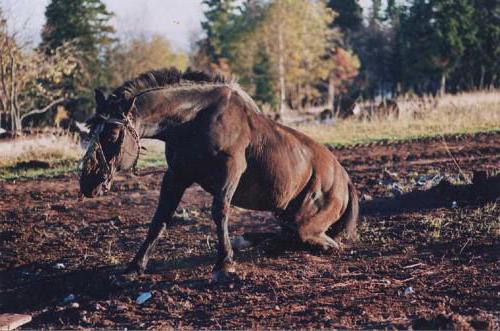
217, 137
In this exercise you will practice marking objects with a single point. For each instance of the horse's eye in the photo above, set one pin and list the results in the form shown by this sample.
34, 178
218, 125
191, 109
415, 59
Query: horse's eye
113, 137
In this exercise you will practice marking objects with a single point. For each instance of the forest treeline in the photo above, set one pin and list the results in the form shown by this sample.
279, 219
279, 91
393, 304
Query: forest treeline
286, 53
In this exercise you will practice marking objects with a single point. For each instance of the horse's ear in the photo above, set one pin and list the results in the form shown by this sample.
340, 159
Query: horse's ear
100, 99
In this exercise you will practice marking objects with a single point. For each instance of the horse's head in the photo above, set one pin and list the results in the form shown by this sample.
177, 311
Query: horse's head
114, 144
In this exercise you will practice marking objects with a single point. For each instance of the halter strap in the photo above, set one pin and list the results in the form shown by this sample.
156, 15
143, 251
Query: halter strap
127, 124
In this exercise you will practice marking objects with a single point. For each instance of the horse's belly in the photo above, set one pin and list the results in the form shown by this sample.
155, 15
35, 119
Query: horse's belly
252, 195
259, 190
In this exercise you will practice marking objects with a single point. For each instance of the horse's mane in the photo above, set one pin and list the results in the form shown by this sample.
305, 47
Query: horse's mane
164, 77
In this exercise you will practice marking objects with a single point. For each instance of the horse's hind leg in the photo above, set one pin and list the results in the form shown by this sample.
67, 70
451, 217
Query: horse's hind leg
313, 220
171, 193
229, 177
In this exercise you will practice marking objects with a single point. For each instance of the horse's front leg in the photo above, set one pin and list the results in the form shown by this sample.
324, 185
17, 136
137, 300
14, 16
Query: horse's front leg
172, 189
228, 182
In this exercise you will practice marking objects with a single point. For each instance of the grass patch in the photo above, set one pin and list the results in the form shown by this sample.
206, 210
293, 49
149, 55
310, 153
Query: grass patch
59, 153
463, 223
50, 149
62, 157
154, 156
458, 114
56, 169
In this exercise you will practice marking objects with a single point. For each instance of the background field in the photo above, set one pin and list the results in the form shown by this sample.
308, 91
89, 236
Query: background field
454, 114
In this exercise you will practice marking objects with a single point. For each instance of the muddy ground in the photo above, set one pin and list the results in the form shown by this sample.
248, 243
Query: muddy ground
434, 268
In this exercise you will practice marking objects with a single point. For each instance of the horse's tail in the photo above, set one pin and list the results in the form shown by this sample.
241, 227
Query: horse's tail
351, 215
349, 220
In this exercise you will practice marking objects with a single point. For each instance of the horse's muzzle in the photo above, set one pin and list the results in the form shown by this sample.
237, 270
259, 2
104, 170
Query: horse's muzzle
91, 187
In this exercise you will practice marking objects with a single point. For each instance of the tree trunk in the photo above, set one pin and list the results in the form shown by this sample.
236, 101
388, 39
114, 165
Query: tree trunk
442, 87
14, 122
331, 93
492, 82
281, 70
399, 89
481, 80
307, 104
3, 92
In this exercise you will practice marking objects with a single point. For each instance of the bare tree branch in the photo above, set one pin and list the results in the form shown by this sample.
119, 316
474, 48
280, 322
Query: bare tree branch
43, 110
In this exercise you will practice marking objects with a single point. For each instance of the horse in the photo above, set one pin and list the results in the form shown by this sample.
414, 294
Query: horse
217, 137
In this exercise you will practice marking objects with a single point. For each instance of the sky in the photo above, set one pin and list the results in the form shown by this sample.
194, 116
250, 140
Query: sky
177, 20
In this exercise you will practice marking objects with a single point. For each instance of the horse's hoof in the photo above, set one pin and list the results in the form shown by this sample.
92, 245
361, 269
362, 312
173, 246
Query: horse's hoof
240, 243
228, 274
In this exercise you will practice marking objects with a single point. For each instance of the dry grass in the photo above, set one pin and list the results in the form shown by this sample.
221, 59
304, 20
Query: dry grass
454, 114
469, 112
48, 148
61, 153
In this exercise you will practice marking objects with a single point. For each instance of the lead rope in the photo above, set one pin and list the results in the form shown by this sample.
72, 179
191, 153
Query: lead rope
95, 146
137, 139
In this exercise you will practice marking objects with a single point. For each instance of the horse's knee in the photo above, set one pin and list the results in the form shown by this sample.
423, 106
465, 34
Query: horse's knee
220, 209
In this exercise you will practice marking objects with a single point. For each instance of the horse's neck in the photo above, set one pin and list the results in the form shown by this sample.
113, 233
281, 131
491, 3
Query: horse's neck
161, 108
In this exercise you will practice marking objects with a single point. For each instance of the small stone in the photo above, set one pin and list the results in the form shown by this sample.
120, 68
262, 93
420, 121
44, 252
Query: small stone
99, 307
115, 221
69, 298
59, 266
422, 180
143, 297
408, 291
121, 308
75, 305
366, 197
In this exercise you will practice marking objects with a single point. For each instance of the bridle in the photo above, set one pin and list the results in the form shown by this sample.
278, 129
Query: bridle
94, 144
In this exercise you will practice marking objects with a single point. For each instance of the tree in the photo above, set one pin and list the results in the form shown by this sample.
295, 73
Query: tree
280, 47
32, 82
295, 35
213, 49
435, 36
455, 29
247, 59
127, 60
262, 74
349, 15
375, 13
374, 43
480, 66
84, 23
344, 70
